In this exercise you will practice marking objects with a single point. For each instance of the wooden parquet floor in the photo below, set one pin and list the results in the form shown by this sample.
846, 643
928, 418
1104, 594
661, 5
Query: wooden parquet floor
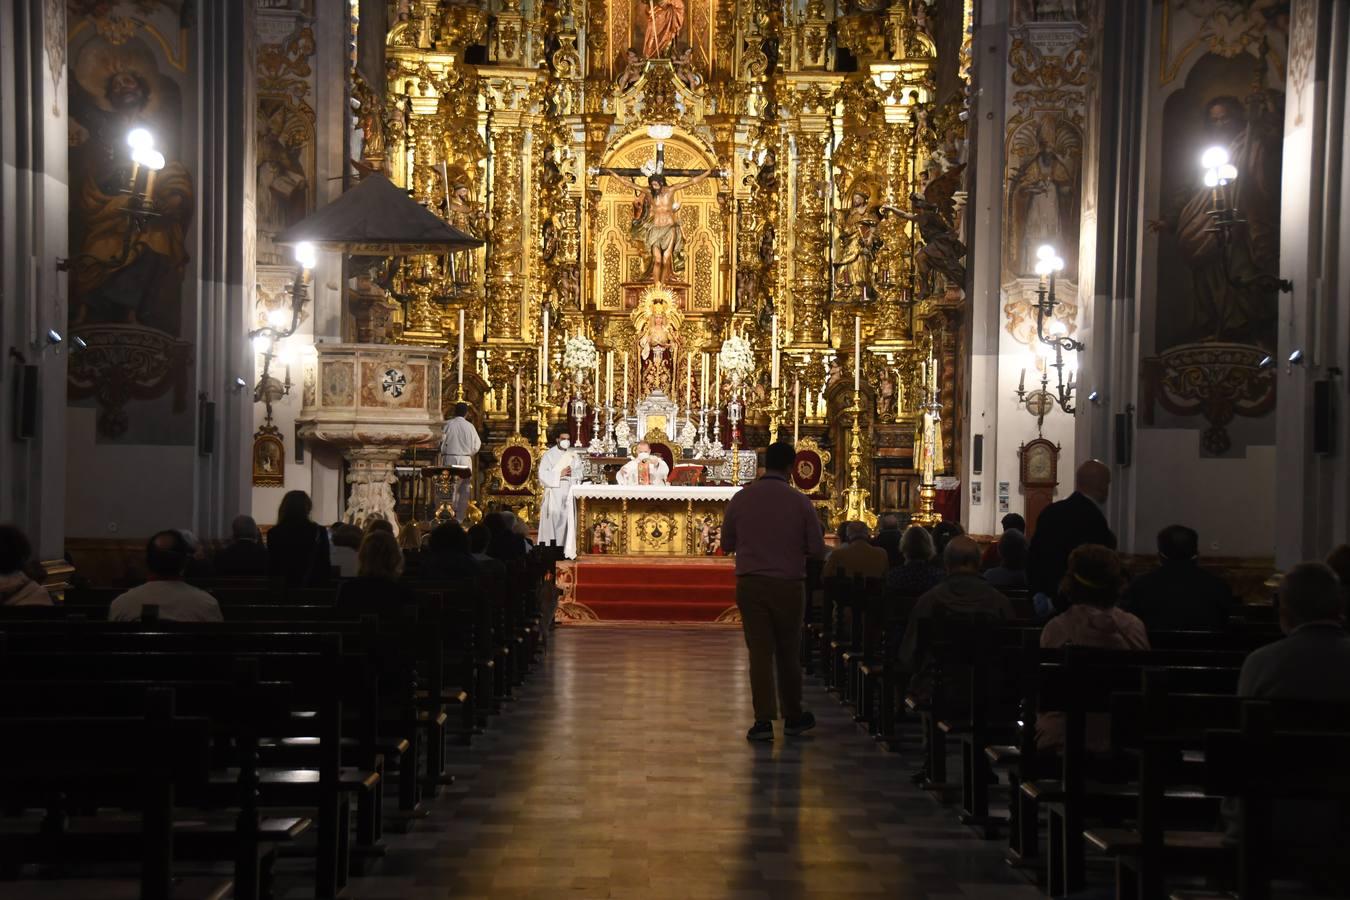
622, 771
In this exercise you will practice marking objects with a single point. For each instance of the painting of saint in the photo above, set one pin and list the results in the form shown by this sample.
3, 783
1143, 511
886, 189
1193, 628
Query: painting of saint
1219, 107
283, 187
1045, 196
122, 275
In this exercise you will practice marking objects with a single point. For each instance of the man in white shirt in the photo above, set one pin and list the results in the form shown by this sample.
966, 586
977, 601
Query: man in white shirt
645, 468
459, 443
557, 473
166, 558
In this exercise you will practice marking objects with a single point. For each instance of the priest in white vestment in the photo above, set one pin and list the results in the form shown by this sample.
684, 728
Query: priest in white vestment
645, 468
557, 473
459, 443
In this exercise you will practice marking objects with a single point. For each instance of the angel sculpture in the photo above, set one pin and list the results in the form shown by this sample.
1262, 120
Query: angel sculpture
942, 251
656, 321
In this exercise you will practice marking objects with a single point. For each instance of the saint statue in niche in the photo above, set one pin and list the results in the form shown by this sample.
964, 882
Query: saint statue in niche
664, 20
657, 321
857, 244
1045, 197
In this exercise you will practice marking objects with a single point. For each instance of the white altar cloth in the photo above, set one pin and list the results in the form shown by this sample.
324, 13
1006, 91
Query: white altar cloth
641, 492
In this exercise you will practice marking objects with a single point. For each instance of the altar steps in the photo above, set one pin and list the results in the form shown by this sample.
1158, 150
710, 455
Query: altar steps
656, 590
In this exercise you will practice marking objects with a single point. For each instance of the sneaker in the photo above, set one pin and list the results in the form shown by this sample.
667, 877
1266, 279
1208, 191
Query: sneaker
800, 725
760, 731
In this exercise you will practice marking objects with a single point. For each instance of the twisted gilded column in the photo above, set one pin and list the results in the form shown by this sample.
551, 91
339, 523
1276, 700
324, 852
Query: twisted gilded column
505, 247
810, 259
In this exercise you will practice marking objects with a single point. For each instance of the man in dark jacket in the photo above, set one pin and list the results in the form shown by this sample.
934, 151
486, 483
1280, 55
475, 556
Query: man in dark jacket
1066, 525
1179, 595
245, 556
888, 539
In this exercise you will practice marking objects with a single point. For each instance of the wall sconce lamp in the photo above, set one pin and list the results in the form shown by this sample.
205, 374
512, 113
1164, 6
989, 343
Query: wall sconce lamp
265, 339
1219, 175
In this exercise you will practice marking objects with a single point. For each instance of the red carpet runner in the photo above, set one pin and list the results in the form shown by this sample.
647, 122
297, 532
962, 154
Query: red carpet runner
650, 590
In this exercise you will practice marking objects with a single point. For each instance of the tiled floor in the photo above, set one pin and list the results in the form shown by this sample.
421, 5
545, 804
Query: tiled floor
622, 771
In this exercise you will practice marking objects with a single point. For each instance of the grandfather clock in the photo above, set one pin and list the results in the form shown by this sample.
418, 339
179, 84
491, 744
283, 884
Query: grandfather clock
1039, 472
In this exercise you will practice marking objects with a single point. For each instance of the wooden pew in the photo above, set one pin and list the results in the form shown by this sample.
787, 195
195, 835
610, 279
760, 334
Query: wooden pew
321, 681
143, 761
1168, 731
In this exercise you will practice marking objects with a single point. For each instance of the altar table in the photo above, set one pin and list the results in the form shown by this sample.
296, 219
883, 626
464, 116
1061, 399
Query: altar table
650, 520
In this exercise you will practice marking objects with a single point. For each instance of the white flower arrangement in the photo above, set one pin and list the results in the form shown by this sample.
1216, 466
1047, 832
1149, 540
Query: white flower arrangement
736, 355
579, 354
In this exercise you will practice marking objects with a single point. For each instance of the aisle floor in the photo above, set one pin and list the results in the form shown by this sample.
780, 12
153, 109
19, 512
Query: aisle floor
622, 771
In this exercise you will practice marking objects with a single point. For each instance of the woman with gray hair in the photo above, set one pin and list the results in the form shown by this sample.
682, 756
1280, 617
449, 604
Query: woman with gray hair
920, 571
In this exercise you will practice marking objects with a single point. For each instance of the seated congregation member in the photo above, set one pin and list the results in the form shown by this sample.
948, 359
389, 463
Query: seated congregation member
1076, 520
919, 572
376, 588
1339, 560
1011, 571
244, 556
943, 532
1092, 588
166, 559
963, 592
378, 523
346, 542
503, 542
888, 539
297, 547
1312, 661
1179, 595
644, 468
17, 588
447, 553
199, 563
855, 555
1010, 522
480, 536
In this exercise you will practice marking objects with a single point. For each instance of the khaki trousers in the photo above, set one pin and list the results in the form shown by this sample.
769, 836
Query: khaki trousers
771, 618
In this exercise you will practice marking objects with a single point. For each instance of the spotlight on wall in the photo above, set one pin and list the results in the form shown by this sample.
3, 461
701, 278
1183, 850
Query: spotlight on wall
78, 342
54, 337
239, 384
1296, 358
1267, 362
1093, 397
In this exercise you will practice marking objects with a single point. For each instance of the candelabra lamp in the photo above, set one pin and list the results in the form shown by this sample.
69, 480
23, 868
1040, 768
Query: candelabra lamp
1048, 265
277, 327
855, 496
1224, 219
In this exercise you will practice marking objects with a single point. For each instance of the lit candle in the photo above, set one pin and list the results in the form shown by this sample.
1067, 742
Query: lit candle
517, 431
796, 405
703, 379
460, 367
773, 343
717, 387
857, 353
609, 377
625, 379
595, 396
689, 381
543, 357
1022, 382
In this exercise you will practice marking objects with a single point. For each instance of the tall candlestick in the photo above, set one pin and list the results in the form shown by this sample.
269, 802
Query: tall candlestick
796, 405
625, 379
773, 343
857, 353
595, 395
609, 377
688, 382
717, 386
460, 367
543, 354
517, 431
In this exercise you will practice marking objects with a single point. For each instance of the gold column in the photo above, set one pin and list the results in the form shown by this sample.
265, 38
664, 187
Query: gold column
504, 277
811, 252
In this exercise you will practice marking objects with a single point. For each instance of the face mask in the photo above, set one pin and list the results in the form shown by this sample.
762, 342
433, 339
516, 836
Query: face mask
643, 454
564, 443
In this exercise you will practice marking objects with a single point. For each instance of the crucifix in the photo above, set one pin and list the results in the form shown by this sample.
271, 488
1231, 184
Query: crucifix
654, 215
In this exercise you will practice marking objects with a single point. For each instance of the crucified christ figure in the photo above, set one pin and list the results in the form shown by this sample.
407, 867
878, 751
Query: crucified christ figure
655, 223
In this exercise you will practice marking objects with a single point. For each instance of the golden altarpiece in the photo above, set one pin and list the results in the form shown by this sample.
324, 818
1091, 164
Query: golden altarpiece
662, 176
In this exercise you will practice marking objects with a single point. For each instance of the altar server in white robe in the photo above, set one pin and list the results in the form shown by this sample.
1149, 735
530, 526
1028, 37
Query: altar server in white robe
459, 443
645, 468
557, 473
